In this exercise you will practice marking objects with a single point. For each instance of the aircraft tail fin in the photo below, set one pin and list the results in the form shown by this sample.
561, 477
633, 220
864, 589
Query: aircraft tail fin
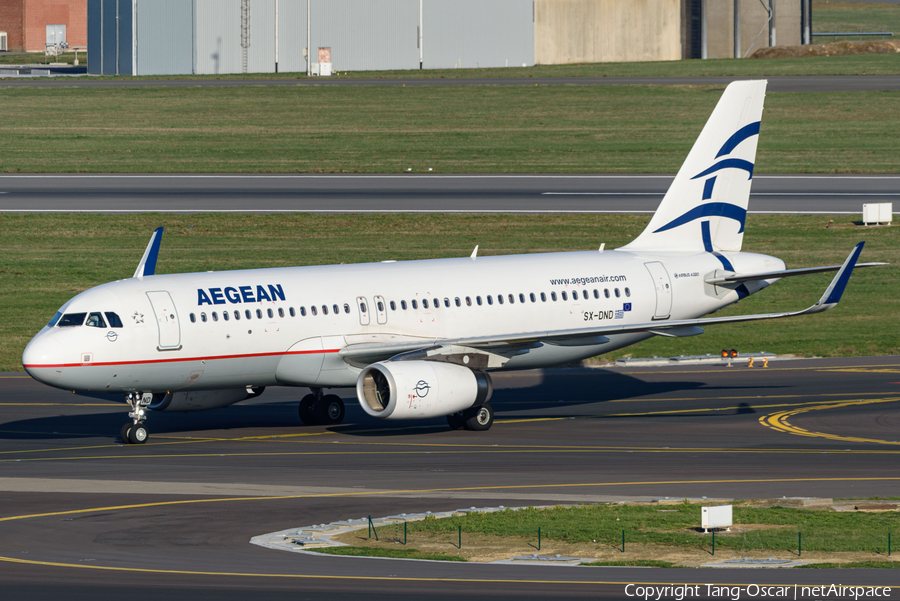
706, 206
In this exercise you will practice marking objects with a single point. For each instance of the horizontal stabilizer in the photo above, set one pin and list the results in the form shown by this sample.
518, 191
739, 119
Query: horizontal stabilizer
771, 275
147, 266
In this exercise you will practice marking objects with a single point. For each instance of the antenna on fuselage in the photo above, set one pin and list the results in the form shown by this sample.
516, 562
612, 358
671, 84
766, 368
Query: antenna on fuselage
147, 266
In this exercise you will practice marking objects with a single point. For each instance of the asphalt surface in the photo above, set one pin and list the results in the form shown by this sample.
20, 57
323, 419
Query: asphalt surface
418, 193
778, 83
83, 517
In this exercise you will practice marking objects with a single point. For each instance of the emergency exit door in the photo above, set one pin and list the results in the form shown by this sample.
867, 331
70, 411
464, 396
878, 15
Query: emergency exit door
166, 320
663, 289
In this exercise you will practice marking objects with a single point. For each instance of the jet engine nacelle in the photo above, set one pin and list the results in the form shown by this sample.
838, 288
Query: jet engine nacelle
199, 400
420, 389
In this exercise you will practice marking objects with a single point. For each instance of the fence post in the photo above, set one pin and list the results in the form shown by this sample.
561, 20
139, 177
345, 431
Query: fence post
714, 542
539, 539
372, 529
889, 544
460, 537
799, 544
404, 533
623, 541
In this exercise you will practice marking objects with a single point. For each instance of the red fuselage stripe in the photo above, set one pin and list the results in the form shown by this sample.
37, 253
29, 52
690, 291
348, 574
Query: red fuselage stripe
182, 359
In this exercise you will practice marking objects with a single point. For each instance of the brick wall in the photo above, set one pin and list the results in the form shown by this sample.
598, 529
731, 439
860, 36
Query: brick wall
12, 21
40, 13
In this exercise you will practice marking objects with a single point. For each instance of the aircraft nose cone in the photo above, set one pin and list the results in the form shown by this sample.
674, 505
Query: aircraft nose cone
43, 359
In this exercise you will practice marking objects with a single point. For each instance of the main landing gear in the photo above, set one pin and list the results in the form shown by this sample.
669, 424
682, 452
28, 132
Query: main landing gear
318, 410
478, 418
135, 432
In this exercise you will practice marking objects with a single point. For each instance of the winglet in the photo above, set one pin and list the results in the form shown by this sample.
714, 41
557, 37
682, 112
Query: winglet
834, 291
147, 266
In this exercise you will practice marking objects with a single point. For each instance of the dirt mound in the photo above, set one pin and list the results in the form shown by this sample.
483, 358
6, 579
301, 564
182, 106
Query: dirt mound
834, 49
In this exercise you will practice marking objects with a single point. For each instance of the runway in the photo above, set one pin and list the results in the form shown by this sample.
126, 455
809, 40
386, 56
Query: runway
777, 83
86, 518
415, 193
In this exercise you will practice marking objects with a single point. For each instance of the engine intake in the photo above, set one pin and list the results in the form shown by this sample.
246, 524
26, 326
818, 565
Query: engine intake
420, 389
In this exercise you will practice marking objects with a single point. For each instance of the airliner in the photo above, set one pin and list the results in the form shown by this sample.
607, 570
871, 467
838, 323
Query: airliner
419, 339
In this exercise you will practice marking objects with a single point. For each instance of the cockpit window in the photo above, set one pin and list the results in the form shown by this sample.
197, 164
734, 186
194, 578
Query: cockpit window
95, 320
113, 319
55, 319
72, 319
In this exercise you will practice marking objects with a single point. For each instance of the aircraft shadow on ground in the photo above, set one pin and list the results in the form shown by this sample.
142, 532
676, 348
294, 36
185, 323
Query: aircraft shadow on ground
555, 395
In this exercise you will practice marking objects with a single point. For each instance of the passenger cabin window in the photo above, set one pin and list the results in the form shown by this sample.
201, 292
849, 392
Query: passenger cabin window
346, 308
203, 317
543, 297
193, 318
512, 299
436, 303
362, 308
115, 322
95, 320
553, 296
458, 302
380, 307
302, 311
627, 292
403, 305
596, 293
237, 315
280, 312
259, 314
270, 313
490, 300
215, 316
531, 296
447, 302
247, 314
606, 292
335, 309
617, 293
292, 312
393, 306
424, 303
564, 296
521, 298
324, 309
468, 301
499, 299
478, 300
415, 305
312, 309
225, 315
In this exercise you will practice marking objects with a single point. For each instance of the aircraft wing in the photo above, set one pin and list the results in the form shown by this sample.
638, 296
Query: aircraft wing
599, 334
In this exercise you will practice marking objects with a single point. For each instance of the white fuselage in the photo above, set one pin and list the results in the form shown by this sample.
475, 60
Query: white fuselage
175, 336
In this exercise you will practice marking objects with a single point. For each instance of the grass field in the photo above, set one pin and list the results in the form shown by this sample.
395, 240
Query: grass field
854, 16
47, 259
656, 535
475, 129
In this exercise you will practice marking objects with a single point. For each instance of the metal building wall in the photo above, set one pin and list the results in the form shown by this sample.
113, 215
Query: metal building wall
474, 33
164, 33
204, 36
110, 42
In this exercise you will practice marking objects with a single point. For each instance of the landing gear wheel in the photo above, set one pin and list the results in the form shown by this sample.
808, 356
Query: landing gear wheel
138, 434
307, 410
123, 433
479, 418
456, 421
332, 409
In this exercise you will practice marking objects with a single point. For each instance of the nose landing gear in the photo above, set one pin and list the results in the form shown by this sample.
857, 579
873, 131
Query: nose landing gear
318, 410
135, 432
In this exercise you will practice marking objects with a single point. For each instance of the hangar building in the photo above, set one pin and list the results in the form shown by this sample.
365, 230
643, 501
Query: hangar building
168, 37
29, 25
